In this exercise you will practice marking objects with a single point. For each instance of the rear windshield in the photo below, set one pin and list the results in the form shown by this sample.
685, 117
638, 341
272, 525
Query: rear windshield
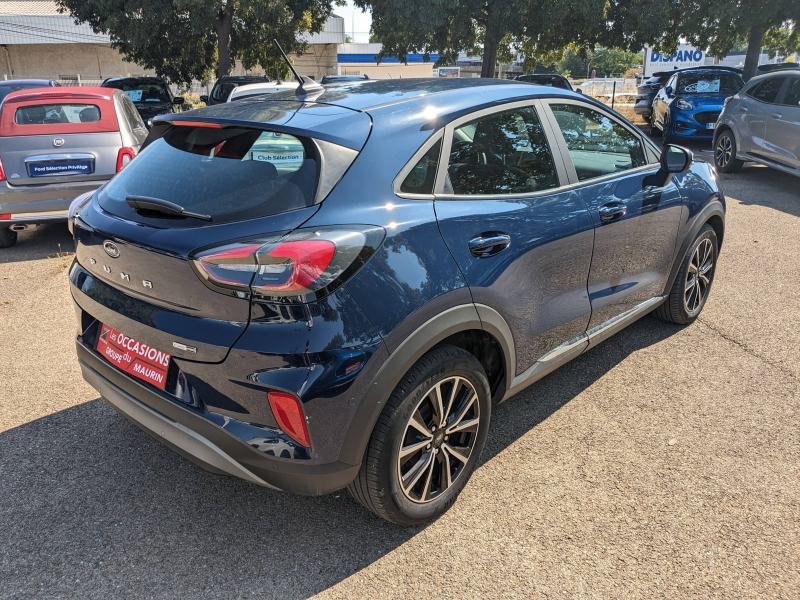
230, 174
710, 83
42, 114
142, 93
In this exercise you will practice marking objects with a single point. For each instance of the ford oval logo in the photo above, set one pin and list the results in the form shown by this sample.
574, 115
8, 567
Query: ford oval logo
58, 142
111, 249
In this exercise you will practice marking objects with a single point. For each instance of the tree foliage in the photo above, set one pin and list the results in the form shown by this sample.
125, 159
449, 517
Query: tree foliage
188, 39
720, 24
501, 27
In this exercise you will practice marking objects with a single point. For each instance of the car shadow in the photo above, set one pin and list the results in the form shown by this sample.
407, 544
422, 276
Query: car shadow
42, 242
93, 507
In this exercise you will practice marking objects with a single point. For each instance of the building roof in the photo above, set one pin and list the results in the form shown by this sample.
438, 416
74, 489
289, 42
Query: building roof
39, 22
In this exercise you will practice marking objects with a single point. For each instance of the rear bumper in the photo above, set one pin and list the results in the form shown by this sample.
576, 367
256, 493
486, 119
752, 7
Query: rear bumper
41, 203
191, 434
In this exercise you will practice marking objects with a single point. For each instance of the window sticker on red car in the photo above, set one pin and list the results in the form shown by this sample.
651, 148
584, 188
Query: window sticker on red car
133, 357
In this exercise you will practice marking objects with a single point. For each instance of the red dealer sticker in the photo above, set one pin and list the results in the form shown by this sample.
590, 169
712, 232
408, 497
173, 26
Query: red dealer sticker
133, 357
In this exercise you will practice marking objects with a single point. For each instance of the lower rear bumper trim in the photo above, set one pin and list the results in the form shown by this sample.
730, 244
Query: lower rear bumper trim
202, 450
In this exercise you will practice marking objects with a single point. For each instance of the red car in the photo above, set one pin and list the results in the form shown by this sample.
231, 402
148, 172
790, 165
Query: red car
59, 143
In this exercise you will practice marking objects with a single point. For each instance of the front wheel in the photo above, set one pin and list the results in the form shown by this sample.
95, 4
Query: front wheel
7, 238
693, 283
427, 440
725, 153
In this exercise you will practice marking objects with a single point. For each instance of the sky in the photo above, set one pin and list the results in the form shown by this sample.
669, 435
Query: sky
355, 20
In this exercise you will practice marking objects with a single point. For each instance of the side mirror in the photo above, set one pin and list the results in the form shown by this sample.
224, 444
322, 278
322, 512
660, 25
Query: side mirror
204, 98
674, 159
668, 90
177, 100
579, 90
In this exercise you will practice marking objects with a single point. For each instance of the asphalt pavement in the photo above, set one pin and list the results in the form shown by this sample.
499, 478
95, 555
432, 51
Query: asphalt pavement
663, 464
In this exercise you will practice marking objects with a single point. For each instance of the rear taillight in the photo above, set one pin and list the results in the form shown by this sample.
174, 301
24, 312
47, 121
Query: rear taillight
5, 217
124, 156
2, 172
289, 415
300, 267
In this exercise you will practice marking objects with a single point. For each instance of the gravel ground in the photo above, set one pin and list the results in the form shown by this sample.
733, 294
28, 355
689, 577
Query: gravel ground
663, 464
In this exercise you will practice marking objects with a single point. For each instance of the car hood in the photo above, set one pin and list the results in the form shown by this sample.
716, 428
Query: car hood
151, 109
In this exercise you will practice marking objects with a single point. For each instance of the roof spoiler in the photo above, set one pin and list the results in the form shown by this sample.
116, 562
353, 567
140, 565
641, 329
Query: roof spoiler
308, 88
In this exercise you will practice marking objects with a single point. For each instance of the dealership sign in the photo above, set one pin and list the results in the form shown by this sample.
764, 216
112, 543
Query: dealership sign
686, 56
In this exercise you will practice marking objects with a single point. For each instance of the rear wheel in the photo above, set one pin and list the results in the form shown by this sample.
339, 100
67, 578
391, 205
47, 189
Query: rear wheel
693, 282
654, 131
427, 440
725, 153
7, 238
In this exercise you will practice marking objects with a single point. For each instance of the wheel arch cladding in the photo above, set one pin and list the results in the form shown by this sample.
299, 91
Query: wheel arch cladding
459, 326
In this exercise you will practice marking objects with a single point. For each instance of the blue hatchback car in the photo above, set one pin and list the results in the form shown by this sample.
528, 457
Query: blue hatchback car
689, 104
333, 289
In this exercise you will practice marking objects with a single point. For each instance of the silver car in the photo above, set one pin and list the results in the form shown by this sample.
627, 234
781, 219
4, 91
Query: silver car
59, 143
761, 124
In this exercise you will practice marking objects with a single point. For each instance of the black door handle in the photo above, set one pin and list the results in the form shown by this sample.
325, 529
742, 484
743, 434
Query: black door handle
489, 243
612, 211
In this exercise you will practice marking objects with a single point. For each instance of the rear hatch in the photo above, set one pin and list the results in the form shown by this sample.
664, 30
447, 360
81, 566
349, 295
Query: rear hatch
58, 137
241, 180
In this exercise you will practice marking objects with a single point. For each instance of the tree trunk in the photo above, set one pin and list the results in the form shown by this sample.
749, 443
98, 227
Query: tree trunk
222, 25
753, 52
490, 46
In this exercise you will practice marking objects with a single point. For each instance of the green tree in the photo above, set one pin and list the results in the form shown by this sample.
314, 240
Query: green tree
784, 40
187, 39
720, 24
497, 27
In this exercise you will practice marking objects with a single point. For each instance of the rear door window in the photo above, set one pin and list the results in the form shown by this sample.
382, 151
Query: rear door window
499, 154
422, 177
230, 174
43, 114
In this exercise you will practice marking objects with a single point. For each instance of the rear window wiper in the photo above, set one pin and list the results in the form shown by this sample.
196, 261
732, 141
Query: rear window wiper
140, 203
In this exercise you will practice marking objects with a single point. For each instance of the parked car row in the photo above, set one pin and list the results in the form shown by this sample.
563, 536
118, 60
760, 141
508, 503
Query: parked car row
758, 121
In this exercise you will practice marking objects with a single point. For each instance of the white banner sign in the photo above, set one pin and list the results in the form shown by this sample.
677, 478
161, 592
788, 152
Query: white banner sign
686, 56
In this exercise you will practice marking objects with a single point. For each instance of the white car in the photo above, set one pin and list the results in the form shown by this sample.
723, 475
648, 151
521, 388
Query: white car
259, 89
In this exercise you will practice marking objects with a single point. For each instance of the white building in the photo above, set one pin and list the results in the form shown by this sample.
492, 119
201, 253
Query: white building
359, 59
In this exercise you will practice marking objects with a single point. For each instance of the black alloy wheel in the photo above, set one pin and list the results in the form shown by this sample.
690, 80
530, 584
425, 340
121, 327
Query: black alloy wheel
725, 153
427, 440
691, 287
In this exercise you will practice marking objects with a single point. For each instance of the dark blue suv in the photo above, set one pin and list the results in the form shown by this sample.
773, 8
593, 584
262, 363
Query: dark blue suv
335, 289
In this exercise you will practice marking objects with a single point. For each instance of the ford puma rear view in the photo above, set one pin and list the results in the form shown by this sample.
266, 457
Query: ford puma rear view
332, 288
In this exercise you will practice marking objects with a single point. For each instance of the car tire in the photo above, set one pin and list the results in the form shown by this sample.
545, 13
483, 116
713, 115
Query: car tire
725, 152
7, 238
403, 477
689, 292
667, 137
654, 131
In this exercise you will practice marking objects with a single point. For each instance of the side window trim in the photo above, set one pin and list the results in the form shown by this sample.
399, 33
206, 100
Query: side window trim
401, 176
649, 147
444, 160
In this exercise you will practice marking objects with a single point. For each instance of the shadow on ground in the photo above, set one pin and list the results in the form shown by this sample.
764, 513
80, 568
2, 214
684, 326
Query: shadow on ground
85, 491
39, 243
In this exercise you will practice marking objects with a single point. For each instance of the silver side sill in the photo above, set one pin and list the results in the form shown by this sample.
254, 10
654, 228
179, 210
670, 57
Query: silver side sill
178, 435
571, 348
606, 330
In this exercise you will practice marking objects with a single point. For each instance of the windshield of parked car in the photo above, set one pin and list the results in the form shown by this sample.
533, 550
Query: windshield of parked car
709, 83
141, 93
231, 174
5, 90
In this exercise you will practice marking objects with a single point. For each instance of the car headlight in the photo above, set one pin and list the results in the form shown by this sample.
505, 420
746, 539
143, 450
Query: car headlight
683, 104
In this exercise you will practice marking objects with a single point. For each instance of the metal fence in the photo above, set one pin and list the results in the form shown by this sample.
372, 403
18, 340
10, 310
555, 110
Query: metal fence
196, 87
